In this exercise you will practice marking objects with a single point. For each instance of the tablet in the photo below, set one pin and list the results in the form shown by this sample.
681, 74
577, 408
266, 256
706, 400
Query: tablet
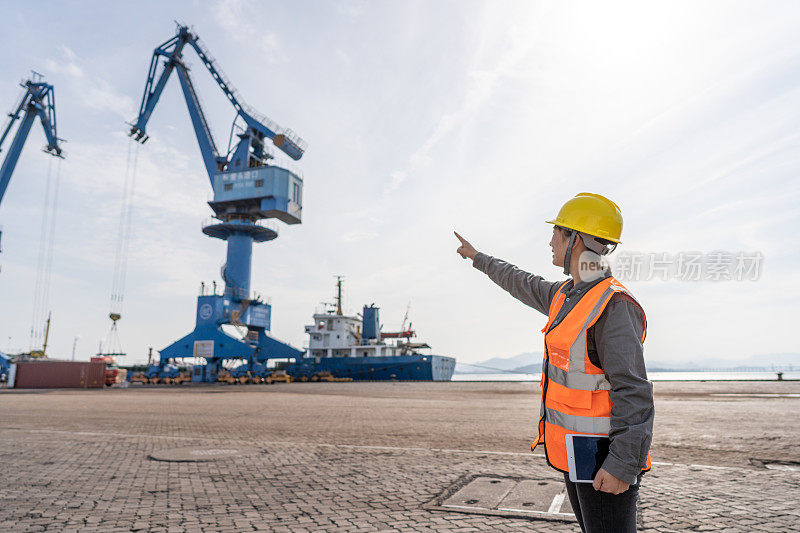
585, 456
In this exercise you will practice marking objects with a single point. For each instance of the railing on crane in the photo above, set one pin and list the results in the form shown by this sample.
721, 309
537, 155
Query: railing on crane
236, 98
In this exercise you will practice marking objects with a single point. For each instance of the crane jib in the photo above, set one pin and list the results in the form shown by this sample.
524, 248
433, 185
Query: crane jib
159, 72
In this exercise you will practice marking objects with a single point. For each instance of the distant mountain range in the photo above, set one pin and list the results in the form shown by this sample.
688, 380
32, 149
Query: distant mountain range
764, 361
532, 363
498, 365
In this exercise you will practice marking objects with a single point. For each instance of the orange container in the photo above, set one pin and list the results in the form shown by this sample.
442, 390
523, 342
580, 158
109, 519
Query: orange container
59, 375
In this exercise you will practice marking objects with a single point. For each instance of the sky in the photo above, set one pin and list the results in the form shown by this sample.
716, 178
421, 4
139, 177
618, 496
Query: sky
421, 118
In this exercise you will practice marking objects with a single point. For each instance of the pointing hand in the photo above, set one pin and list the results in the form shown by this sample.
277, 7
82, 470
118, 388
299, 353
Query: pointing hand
466, 250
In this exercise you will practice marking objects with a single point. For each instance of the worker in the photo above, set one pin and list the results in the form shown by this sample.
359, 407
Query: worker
594, 379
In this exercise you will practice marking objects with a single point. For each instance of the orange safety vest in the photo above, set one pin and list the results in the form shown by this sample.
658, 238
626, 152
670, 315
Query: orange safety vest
576, 395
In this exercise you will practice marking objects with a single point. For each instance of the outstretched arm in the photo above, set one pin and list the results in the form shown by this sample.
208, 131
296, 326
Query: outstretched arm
528, 288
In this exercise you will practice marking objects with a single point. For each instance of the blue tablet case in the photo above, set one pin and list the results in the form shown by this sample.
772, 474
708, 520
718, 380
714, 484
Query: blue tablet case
590, 453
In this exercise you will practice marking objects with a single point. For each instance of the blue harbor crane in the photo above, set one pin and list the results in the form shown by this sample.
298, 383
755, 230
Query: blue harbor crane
38, 100
249, 187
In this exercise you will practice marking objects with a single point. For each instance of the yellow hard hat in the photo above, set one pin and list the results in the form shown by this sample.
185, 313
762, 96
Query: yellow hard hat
592, 214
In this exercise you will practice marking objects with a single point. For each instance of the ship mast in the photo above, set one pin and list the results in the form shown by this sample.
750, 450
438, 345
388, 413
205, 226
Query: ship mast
339, 295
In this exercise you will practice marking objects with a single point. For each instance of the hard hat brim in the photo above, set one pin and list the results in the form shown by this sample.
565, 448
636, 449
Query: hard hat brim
572, 227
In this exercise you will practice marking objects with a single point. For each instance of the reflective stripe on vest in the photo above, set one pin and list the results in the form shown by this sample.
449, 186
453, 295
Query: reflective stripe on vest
571, 380
579, 424
576, 393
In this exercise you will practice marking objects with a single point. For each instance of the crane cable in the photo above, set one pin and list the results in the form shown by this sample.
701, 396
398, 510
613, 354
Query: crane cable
44, 263
124, 232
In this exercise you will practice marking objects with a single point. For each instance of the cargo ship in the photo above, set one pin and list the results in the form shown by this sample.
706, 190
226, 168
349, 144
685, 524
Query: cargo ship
355, 347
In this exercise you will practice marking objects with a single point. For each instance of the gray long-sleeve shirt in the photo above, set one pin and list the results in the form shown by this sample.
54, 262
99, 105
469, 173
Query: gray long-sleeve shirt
613, 343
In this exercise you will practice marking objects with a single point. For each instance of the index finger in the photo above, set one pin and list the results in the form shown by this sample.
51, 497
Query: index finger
460, 238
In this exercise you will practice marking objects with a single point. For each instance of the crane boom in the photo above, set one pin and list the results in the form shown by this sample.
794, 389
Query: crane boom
258, 125
38, 100
207, 146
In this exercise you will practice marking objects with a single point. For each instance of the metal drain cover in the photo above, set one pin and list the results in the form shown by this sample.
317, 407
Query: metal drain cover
539, 498
196, 454
773, 464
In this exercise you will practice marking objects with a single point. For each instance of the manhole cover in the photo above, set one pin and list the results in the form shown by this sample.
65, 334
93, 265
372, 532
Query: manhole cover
543, 498
197, 454
786, 466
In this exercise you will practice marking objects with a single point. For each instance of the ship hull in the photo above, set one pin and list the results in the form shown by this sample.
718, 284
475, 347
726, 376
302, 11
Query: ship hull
392, 368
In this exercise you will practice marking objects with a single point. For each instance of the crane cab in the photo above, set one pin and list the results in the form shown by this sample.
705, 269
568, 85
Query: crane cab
261, 192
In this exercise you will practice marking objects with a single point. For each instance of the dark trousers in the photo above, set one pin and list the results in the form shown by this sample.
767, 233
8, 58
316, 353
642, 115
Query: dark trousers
601, 512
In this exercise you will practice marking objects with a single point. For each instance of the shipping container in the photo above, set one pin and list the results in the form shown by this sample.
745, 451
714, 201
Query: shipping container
59, 375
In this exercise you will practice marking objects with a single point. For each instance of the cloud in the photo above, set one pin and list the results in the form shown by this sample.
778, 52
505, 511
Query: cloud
397, 178
96, 92
351, 8
509, 49
358, 235
237, 18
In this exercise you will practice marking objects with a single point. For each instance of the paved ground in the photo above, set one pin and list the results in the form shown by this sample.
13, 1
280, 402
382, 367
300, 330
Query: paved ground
369, 457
